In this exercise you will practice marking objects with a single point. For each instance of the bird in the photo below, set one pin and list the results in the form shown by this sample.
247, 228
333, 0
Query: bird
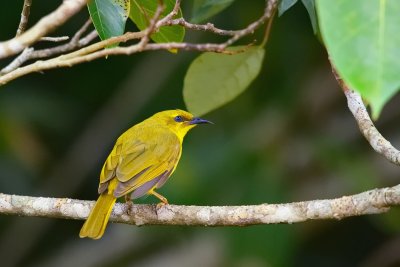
142, 160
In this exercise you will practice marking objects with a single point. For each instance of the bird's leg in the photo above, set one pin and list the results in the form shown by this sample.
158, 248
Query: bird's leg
129, 203
164, 201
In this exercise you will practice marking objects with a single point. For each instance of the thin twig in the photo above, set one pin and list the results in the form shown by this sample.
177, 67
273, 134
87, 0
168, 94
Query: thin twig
369, 202
152, 25
81, 31
72, 45
367, 127
209, 27
102, 44
54, 39
171, 14
26, 10
270, 8
18, 61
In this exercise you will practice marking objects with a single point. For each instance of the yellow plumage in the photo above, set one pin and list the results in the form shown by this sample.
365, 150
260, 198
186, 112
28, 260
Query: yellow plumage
143, 158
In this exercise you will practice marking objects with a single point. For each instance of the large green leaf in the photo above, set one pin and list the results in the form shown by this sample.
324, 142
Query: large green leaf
363, 41
142, 11
109, 16
213, 80
205, 9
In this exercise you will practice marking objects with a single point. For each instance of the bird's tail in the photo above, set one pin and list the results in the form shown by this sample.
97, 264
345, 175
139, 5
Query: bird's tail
96, 223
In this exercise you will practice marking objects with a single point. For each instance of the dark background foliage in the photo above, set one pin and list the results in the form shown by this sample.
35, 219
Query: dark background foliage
289, 137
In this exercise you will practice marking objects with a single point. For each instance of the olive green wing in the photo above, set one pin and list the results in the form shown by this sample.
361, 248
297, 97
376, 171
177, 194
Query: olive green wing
157, 163
123, 150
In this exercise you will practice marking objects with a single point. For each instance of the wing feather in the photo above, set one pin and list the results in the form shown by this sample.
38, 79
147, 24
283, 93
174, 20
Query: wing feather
141, 165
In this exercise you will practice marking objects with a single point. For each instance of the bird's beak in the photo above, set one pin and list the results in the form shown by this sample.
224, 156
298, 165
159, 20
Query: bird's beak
199, 121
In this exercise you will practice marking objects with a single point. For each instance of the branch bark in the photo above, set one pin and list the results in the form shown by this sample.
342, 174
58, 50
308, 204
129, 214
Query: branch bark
369, 202
367, 127
54, 39
26, 10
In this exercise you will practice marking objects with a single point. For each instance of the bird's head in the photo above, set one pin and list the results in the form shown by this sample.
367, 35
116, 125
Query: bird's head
178, 121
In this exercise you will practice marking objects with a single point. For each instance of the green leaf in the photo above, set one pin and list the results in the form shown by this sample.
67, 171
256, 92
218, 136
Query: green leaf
142, 11
363, 41
109, 16
284, 5
205, 9
310, 6
213, 80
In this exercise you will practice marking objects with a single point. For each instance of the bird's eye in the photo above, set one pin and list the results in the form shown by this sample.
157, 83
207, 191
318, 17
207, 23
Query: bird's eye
179, 119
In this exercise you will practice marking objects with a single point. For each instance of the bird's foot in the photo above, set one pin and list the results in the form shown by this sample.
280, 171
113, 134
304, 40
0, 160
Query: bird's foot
128, 204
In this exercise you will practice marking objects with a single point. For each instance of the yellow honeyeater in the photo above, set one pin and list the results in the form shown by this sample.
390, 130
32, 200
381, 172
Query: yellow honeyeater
142, 160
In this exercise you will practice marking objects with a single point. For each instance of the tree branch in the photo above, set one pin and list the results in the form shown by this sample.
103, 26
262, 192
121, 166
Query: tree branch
96, 50
47, 24
367, 127
54, 39
153, 24
369, 202
26, 10
84, 54
75, 43
209, 27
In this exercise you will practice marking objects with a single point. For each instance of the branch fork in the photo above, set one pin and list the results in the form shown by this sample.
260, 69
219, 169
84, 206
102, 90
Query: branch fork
96, 50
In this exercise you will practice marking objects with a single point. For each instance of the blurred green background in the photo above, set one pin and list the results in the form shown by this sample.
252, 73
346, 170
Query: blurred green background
289, 137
